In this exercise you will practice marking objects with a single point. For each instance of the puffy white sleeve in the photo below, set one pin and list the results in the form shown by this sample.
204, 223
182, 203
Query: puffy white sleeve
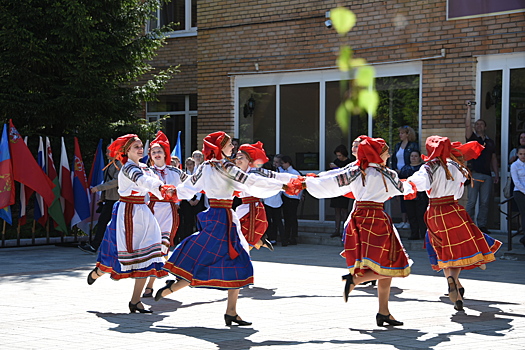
332, 185
144, 179
421, 178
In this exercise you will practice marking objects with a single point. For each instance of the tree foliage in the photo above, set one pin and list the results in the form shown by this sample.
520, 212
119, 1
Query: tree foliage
71, 67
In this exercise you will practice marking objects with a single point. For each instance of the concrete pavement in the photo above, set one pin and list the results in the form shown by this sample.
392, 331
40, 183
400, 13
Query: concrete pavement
296, 303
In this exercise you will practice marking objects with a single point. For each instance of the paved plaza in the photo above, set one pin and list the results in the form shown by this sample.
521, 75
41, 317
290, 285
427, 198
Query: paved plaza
296, 303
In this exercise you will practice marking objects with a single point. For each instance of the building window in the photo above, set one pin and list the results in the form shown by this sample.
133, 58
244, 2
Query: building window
182, 116
181, 14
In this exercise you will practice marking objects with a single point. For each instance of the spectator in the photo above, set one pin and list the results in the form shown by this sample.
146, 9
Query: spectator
175, 161
517, 171
400, 158
513, 156
482, 169
290, 205
198, 158
189, 208
416, 207
236, 143
340, 204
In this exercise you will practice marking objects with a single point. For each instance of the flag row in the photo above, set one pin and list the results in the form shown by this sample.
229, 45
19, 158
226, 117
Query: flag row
63, 196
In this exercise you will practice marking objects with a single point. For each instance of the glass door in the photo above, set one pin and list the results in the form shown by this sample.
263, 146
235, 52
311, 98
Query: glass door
501, 103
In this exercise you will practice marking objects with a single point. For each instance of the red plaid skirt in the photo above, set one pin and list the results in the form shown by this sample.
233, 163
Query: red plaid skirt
254, 223
371, 243
457, 241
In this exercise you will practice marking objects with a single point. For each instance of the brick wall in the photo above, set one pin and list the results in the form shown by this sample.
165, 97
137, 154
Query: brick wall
286, 35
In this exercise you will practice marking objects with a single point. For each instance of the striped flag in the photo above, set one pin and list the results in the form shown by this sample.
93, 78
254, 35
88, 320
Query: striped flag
55, 209
66, 195
80, 188
177, 151
40, 211
7, 185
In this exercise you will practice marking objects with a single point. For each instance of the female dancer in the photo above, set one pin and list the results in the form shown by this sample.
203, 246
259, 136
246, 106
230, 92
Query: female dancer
454, 242
251, 212
132, 245
373, 250
217, 256
165, 211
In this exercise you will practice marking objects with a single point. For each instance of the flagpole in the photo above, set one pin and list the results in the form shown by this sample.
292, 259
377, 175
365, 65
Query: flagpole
33, 232
47, 231
3, 236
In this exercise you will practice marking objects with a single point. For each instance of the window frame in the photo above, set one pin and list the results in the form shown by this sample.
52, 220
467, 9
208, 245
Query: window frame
187, 31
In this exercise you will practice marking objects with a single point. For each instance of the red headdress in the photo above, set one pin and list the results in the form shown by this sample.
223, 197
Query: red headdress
254, 151
120, 147
213, 144
440, 147
437, 147
161, 141
469, 150
370, 151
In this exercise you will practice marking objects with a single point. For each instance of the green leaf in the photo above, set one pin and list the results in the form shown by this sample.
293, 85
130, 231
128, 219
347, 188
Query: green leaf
341, 117
342, 19
365, 76
368, 100
344, 59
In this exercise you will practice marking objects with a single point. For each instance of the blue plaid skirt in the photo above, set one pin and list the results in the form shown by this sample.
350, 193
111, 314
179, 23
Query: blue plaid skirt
203, 259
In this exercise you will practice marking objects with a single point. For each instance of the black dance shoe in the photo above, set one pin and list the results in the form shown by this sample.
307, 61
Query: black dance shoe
381, 319
91, 280
267, 243
229, 319
454, 294
148, 294
134, 308
348, 284
168, 285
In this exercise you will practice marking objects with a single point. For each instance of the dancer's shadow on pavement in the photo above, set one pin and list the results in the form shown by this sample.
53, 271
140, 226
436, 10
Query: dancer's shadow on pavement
490, 322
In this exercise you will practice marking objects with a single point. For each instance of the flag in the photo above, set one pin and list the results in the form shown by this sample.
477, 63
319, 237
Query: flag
55, 209
66, 195
177, 151
96, 177
96, 174
80, 188
146, 155
40, 211
25, 194
7, 188
26, 169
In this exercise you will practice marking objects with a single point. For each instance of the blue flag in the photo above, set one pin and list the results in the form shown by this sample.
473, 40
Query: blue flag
177, 151
96, 175
6, 179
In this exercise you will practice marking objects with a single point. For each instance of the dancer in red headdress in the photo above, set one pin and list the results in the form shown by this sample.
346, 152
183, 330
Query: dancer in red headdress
217, 256
454, 242
132, 246
251, 212
165, 211
373, 249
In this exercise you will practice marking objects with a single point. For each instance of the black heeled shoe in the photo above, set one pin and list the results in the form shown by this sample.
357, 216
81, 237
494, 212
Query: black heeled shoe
461, 291
229, 319
147, 294
454, 294
349, 281
267, 244
168, 285
91, 280
134, 308
380, 319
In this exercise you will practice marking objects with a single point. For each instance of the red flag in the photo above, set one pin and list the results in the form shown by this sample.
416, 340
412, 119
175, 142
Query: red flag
25, 194
26, 169
68, 200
